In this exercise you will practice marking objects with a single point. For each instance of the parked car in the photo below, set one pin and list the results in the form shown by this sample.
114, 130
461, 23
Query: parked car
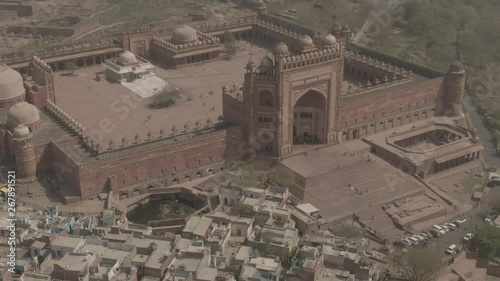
461, 220
452, 249
491, 169
445, 228
435, 233
451, 226
420, 238
425, 235
437, 227
468, 237
490, 216
413, 239
406, 242
443, 232
428, 233
399, 244
493, 182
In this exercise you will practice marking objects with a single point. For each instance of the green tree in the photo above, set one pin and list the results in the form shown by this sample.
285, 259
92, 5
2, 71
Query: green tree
167, 97
281, 176
419, 264
248, 176
421, 23
71, 67
411, 9
466, 16
487, 241
347, 231
229, 43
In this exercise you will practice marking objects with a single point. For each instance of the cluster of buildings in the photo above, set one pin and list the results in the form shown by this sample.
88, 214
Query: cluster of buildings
253, 236
360, 130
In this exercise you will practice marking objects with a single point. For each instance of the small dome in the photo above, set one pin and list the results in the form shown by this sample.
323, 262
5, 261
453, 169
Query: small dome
127, 58
329, 39
281, 49
22, 113
184, 34
266, 63
346, 29
21, 130
305, 41
11, 83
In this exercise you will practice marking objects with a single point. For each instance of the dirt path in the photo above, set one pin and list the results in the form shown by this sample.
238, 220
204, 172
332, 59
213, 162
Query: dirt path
108, 9
99, 28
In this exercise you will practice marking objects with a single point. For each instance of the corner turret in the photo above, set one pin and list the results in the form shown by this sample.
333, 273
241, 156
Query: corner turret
454, 90
24, 152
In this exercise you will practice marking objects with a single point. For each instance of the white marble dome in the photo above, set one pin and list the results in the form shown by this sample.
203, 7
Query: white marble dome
127, 58
184, 34
329, 39
306, 41
281, 49
21, 130
22, 113
11, 83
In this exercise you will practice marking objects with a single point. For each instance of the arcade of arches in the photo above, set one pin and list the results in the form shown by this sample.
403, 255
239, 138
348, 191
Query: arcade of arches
309, 120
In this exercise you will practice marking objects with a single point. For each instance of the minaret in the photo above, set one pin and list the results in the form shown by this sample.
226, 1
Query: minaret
280, 52
24, 152
248, 98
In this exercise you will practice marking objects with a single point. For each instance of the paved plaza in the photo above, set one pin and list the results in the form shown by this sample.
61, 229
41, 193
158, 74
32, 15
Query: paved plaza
112, 111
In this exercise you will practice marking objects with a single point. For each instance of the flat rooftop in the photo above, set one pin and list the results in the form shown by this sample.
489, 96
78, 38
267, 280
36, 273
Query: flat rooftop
105, 252
340, 181
111, 111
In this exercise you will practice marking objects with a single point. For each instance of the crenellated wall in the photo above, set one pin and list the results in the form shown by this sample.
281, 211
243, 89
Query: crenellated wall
150, 165
403, 99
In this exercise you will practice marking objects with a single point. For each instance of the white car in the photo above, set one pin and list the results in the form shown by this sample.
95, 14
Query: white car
419, 237
406, 242
445, 228
451, 226
468, 237
413, 239
452, 249
442, 232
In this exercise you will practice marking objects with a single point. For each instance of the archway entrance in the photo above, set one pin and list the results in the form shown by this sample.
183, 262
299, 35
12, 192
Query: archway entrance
355, 134
309, 124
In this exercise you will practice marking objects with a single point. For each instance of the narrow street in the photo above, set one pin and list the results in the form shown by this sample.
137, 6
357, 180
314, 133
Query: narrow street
474, 218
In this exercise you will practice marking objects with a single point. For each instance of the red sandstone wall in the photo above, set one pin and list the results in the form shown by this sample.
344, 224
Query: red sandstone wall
394, 101
63, 166
172, 162
38, 99
44, 158
233, 110
138, 43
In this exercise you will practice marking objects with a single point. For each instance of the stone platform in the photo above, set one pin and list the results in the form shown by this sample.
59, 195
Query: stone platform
341, 182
